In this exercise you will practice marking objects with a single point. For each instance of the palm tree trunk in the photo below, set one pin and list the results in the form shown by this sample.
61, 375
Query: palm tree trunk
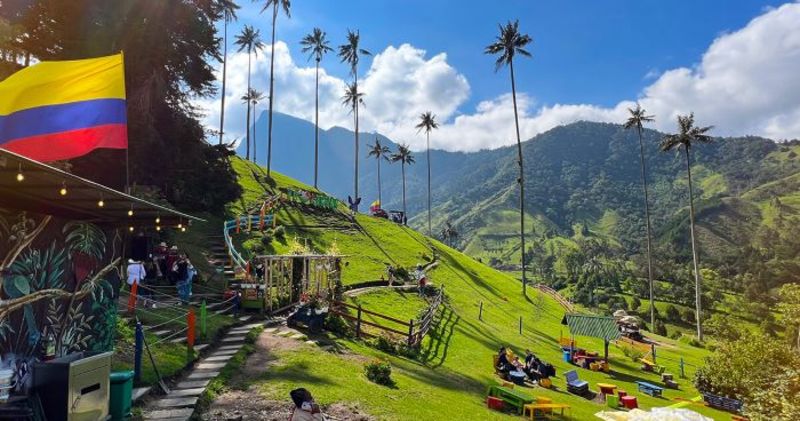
224, 72
271, 92
247, 127
521, 179
316, 129
697, 291
255, 140
403, 169
379, 181
356, 168
649, 240
430, 232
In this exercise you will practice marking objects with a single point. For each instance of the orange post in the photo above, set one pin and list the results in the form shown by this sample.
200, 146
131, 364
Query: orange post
190, 323
238, 224
133, 297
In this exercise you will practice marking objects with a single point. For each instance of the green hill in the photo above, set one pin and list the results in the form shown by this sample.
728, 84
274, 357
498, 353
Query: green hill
450, 377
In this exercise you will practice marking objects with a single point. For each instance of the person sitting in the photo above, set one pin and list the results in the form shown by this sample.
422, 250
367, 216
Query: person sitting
503, 365
529, 357
305, 409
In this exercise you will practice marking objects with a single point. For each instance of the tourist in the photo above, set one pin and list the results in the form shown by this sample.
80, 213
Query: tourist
181, 270
422, 280
136, 272
171, 264
148, 281
390, 274
305, 409
503, 365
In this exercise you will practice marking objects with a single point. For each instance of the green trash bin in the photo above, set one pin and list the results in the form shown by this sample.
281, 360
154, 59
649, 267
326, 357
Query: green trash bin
119, 403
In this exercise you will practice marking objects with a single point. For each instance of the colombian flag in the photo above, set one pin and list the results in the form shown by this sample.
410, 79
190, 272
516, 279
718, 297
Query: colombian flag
58, 110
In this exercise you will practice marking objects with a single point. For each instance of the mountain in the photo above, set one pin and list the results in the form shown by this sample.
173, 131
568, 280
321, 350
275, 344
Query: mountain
579, 175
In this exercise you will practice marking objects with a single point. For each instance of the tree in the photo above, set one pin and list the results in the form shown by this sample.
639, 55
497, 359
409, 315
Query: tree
316, 44
351, 53
637, 118
687, 135
249, 39
789, 306
427, 122
672, 314
404, 156
227, 11
352, 98
508, 44
449, 233
255, 98
274, 4
380, 152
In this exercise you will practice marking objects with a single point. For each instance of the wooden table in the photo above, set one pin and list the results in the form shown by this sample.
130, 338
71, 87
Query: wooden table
532, 408
511, 397
607, 388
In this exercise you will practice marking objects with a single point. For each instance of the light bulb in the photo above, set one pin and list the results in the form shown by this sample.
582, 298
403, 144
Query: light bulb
183, 229
180, 225
130, 212
101, 203
20, 177
158, 219
130, 229
63, 190
158, 228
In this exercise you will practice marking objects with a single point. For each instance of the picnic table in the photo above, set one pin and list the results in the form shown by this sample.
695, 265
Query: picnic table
533, 407
650, 388
607, 388
511, 397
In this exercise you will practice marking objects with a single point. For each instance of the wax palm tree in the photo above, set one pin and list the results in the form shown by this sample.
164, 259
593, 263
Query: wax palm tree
246, 100
637, 118
351, 53
316, 44
449, 233
404, 157
687, 135
508, 44
275, 5
380, 152
227, 11
249, 39
427, 122
255, 98
353, 98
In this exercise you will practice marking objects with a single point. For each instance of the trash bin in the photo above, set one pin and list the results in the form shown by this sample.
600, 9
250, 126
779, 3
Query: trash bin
119, 403
567, 357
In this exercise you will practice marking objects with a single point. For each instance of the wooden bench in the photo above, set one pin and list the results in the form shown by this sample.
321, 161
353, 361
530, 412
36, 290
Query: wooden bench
544, 408
650, 389
651, 366
511, 397
721, 402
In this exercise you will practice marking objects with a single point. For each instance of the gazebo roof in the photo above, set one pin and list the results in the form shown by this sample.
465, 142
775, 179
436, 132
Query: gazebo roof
602, 327
39, 191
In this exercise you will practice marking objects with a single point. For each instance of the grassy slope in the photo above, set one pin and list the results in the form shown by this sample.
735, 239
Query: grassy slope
457, 366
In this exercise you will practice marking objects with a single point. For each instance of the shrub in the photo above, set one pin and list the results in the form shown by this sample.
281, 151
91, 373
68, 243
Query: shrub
337, 324
385, 344
673, 315
688, 315
266, 237
635, 303
379, 372
660, 328
408, 351
633, 353
279, 232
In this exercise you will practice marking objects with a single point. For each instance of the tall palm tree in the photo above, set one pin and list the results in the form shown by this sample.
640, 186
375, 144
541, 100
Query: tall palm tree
427, 122
380, 152
316, 44
405, 157
351, 53
246, 99
352, 98
637, 118
274, 4
227, 10
255, 98
249, 39
449, 233
687, 135
508, 44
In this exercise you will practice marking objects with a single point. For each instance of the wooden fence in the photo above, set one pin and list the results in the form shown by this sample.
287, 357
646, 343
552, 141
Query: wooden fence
556, 296
413, 330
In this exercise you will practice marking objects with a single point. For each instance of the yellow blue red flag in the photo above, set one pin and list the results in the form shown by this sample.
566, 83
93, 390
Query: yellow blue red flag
58, 110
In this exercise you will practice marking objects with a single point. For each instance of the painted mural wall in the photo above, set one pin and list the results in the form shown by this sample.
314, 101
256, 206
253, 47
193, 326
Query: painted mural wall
57, 286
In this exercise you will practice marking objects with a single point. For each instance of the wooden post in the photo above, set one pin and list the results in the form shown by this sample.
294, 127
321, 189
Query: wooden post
358, 322
480, 312
520, 325
190, 325
653, 351
411, 332
203, 316
137, 353
133, 297
683, 373
605, 349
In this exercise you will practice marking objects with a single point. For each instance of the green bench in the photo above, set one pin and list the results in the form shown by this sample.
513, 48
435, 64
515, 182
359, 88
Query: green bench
511, 397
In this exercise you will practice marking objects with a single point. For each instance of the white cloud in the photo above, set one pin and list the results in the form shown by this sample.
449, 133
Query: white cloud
745, 83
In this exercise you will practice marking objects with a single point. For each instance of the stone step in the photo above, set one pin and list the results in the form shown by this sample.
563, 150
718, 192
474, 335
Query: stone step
202, 375
179, 402
225, 353
139, 393
232, 339
163, 414
210, 366
231, 347
201, 347
180, 393
177, 340
245, 318
192, 384
218, 358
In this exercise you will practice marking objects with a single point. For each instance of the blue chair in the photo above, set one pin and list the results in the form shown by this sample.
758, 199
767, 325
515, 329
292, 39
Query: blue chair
574, 384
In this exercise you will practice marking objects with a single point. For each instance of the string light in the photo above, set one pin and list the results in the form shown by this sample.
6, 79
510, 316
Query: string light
158, 228
20, 175
101, 203
130, 228
180, 224
158, 219
183, 229
130, 211
63, 190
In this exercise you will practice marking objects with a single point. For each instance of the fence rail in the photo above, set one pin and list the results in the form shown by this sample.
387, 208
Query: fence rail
556, 296
414, 331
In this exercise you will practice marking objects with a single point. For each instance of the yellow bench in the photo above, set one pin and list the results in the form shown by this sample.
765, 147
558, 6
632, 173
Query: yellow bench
545, 408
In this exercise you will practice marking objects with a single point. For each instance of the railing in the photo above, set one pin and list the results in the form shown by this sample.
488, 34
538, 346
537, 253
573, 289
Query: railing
556, 296
413, 331
242, 223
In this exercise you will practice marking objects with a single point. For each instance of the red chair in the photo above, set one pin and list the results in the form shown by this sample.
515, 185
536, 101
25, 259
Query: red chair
621, 393
629, 402
494, 403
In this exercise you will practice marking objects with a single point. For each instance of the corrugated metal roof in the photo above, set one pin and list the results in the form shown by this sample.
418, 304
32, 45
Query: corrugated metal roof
602, 327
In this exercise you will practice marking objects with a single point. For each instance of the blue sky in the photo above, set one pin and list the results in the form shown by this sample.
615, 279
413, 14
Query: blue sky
595, 54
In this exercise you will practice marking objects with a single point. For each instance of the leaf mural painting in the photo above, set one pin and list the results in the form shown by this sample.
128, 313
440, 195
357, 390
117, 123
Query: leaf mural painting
87, 245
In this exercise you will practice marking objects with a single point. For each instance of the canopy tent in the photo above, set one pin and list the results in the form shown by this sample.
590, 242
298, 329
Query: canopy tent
602, 327
30, 185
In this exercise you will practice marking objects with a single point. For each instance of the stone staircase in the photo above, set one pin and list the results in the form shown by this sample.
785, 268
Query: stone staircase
180, 402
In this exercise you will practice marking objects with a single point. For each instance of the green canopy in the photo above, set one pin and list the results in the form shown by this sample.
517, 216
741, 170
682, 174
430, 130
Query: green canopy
602, 327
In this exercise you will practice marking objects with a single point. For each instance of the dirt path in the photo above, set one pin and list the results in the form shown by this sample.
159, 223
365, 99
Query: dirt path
246, 403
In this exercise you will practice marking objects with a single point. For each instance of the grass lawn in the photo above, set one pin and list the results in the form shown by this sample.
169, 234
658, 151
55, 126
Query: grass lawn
456, 366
